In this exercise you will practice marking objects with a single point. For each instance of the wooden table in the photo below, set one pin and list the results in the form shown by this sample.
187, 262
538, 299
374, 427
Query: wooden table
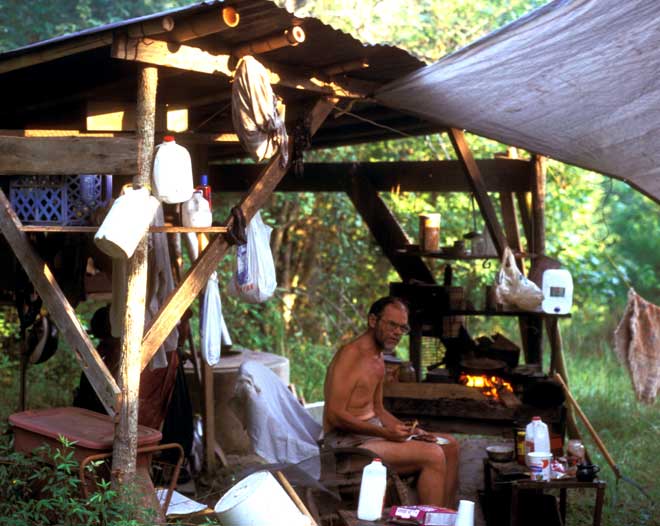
563, 485
350, 519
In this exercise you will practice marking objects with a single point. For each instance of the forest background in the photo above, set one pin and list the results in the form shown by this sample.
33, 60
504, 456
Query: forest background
330, 269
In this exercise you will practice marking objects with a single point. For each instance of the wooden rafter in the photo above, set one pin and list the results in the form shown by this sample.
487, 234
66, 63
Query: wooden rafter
499, 175
511, 226
179, 300
70, 155
478, 188
59, 307
191, 58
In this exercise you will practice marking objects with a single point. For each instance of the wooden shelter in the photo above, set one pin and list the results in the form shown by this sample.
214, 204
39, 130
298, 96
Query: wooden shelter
95, 102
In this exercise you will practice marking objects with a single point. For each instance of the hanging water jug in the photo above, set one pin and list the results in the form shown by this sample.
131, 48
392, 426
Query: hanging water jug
196, 211
126, 223
372, 491
172, 178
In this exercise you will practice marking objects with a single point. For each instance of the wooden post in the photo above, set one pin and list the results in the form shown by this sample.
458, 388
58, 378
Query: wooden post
126, 431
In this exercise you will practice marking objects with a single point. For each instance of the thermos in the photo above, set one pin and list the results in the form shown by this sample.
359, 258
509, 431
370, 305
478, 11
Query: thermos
372, 491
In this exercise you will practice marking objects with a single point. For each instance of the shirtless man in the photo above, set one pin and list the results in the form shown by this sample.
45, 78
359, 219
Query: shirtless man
354, 414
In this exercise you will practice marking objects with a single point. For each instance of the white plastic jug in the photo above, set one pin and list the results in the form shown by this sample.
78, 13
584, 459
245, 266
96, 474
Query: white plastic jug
537, 437
372, 491
557, 291
196, 211
172, 178
126, 223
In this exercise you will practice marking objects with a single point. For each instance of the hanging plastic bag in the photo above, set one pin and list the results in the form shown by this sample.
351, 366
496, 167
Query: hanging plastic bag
513, 288
254, 280
214, 330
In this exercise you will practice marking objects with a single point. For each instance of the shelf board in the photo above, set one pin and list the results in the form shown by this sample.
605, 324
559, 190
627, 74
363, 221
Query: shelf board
478, 312
440, 254
93, 229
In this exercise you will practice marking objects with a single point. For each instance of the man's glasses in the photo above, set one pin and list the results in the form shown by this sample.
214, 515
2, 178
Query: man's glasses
392, 325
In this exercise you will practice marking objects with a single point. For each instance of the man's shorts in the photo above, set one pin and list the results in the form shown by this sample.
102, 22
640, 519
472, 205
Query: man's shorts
340, 438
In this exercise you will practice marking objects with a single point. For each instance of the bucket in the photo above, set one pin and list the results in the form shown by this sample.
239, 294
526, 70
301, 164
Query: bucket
257, 500
126, 223
539, 464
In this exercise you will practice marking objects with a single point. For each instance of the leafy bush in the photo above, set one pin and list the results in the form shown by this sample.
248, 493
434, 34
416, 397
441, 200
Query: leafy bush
44, 488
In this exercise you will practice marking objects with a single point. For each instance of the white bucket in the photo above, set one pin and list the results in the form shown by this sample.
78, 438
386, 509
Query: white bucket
539, 464
258, 500
126, 223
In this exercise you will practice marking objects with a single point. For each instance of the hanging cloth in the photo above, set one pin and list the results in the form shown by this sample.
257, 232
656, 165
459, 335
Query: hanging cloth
637, 344
257, 121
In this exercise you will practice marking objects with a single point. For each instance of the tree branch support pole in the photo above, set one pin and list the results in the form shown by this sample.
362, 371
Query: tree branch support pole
126, 430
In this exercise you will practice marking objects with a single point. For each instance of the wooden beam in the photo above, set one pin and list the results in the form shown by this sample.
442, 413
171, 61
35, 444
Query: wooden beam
198, 26
478, 188
289, 37
499, 175
124, 453
188, 58
523, 198
387, 231
159, 53
179, 300
538, 204
66, 156
59, 308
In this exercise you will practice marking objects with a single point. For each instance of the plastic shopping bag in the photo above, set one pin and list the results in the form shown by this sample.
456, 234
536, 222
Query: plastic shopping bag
513, 288
214, 330
254, 280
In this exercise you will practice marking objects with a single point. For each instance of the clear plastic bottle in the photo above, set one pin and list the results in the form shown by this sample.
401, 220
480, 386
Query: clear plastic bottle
537, 437
372, 491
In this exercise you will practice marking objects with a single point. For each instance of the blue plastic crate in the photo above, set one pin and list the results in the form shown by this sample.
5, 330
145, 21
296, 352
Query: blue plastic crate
59, 200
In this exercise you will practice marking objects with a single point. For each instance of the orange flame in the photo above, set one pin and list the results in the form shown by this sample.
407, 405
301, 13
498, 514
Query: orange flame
488, 385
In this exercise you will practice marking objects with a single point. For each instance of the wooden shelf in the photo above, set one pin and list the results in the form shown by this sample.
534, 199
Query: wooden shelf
440, 254
478, 312
93, 229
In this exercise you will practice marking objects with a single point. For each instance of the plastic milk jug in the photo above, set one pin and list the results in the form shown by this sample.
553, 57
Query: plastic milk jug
372, 491
196, 211
537, 438
173, 180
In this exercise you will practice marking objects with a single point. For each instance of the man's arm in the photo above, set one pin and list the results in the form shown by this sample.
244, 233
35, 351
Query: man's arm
387, 418
341, 381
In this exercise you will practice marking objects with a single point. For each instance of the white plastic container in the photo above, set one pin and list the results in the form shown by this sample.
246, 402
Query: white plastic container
196, 211
465, 515
557, 291
539, 463
537, 437
172, 177
258, 500
126, 223
372, 491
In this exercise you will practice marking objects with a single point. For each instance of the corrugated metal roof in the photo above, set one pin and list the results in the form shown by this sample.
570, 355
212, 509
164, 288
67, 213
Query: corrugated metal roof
54, 93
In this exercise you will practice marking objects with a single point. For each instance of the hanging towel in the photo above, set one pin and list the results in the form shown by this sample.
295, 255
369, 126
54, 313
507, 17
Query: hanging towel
637, 344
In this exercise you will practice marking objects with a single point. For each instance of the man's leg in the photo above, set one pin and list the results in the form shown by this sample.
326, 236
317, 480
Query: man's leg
414, 456
451, 455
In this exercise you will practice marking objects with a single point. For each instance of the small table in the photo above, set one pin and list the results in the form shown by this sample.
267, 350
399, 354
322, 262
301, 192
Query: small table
350, 519
562, 485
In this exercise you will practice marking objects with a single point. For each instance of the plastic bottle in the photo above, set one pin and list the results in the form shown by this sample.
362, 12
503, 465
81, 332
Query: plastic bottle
172, 180
196, 212
537, 437
372, 491
205, 189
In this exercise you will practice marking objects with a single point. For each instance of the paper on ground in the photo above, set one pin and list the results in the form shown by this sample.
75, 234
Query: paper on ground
179, 504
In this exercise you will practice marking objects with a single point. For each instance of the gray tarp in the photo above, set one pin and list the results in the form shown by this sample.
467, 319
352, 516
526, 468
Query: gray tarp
578, 81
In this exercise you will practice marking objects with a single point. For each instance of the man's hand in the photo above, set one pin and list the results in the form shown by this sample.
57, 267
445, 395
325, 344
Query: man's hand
397, 433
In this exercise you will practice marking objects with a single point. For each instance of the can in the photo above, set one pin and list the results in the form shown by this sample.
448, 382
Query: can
520, 446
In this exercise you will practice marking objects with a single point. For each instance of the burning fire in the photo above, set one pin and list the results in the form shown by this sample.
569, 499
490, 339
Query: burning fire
488, 385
